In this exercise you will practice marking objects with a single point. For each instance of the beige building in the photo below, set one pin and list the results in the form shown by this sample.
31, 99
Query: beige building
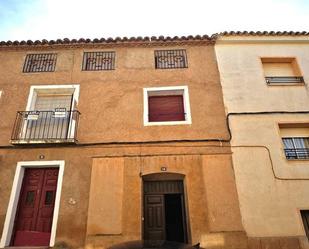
265, 79
105, 141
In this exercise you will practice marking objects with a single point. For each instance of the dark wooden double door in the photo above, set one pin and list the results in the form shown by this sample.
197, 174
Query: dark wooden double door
34, 215
164, 211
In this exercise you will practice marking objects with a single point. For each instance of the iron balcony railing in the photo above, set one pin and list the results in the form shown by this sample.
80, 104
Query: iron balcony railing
301, 153
284, 80
59, 126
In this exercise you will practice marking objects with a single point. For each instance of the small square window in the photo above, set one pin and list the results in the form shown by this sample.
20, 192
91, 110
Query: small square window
166, 106
97, 61
281, 71
40, 63
168, 59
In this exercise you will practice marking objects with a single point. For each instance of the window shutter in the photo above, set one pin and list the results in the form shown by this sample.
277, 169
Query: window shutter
166, 108
50, 102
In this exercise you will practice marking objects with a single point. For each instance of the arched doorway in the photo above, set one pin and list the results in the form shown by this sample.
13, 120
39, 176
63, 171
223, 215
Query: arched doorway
164, 207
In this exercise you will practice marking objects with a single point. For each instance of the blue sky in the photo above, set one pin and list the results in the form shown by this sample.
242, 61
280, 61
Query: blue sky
53, 19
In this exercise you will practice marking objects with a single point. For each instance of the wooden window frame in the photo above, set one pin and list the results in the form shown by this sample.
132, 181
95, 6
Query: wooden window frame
161, 91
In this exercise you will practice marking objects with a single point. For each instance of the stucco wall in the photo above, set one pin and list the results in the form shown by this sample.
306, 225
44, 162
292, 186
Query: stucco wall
271, 189
269, 192
242, 76
111, 102
211, 208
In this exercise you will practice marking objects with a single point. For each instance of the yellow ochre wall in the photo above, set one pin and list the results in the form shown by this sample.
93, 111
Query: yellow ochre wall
212, 209
271, 189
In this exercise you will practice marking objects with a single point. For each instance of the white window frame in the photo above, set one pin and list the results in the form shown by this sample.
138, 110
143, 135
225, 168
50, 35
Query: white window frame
15, 193
171, 90
34, 90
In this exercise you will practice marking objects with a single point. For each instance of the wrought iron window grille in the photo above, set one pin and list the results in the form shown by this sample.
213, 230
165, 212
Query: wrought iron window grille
40, 63
284, 80
96, 61
296, 147
168, 59
297, 153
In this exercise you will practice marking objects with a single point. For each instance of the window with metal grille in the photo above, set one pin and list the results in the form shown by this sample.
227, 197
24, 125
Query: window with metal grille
305, 218
296, 147
281, 71
40, 63
167, 59
95, 61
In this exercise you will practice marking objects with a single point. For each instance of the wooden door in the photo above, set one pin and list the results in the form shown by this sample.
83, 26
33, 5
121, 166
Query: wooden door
36, 206
154, 217
162, 212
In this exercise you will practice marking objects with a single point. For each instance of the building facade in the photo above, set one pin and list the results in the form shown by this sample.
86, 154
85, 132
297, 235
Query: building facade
104, 141
264, 79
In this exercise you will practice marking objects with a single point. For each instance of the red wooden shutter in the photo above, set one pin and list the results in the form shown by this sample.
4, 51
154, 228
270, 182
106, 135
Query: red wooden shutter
166, 108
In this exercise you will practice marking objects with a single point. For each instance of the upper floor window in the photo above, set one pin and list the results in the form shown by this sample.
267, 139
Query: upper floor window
281, 71
40, 63
166, 106
96, 61
167, 59
295, 138
50, 116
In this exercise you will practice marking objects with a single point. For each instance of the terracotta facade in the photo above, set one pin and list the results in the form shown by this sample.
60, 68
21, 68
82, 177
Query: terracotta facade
101, 200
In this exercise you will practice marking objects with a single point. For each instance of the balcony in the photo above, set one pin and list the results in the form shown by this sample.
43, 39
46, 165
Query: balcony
284, 80
300, 153
38, 127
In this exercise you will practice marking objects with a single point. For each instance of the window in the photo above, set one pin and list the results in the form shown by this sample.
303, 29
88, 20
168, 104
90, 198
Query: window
168, 59
305, 218
40, 63
166, 106
296, 147
281, 71
95, 61
50, 116
295, 138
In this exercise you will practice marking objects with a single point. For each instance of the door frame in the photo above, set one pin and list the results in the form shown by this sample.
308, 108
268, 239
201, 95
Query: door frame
168, 176
15, 193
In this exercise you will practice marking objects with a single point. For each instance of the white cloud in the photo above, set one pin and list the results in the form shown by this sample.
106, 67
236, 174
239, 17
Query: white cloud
101, 18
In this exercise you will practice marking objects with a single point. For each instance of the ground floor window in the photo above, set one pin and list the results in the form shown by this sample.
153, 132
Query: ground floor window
305, 217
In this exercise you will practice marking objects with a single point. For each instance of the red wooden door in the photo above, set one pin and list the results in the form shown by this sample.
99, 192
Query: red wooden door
35, 209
